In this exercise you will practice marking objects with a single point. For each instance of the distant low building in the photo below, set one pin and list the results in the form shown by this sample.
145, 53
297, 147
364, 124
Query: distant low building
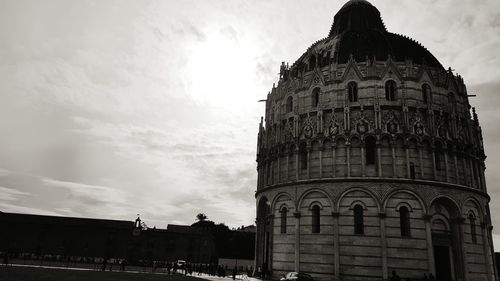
249, 228
39, 235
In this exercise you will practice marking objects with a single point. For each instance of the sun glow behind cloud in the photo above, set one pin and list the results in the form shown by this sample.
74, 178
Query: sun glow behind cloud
221, 71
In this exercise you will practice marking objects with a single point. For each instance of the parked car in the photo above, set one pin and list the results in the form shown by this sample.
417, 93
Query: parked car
296, 276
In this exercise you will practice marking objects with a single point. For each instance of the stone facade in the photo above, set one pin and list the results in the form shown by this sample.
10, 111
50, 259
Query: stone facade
369, 161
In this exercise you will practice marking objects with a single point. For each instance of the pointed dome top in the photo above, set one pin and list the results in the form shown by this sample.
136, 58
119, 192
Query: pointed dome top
356, 15
356, 2
359, 32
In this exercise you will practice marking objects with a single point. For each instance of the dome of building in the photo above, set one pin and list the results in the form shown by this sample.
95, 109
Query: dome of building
370, 160
359, 32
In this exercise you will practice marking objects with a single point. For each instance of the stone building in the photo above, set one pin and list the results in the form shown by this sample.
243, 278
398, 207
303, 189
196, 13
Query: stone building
371, 160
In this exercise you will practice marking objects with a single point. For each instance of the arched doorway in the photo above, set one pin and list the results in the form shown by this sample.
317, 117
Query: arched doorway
264, 239
447, 240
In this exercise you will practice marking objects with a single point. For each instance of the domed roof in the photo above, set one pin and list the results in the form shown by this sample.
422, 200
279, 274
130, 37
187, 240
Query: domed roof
359, 31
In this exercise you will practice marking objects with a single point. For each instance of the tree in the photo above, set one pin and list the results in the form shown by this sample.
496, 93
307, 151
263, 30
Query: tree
201, 217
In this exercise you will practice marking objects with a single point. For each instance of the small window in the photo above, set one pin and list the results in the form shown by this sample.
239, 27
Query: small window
390, 90
284, 213
315, 97
472, 222
404, 221
370, 151
426, 93
352, 91
315, 216
289, 104
358, 220
303, 156
412, 170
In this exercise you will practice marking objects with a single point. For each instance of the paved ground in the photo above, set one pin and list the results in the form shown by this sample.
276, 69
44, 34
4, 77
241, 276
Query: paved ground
26, 273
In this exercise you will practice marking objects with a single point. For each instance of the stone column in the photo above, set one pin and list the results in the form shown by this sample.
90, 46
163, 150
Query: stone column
296, 164
455, 160
421, 158
492, 251
258, 176
393, 150
460, 224
333, 160
362, 160
287, 168
336, 245
272, 171
279, 169
265, 174
383, 246
473, 179
379, 161
430, 247
308, 162
257, 240
348, 155
484, 229
447, 176
407, 152
481, 174
297, 241
434, 171
321, 162
270, 219
464, 170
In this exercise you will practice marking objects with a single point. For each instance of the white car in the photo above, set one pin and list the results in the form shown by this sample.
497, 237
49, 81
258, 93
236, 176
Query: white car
296, 276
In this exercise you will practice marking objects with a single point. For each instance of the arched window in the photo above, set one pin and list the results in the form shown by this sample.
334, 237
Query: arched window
426, 93
289, 104
404, 221
390, 90
370, 151
412, 170
315, 97
359, 227
352, 91
284, 213
303, 156
315, 217
472, 222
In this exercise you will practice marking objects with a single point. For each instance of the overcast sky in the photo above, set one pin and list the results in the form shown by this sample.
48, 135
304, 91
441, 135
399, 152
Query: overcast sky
113, 108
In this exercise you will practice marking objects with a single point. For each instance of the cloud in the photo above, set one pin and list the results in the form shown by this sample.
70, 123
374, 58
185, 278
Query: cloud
9, 194
89, 194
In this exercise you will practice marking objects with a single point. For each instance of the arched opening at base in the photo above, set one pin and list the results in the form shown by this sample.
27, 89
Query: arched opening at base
447, 240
